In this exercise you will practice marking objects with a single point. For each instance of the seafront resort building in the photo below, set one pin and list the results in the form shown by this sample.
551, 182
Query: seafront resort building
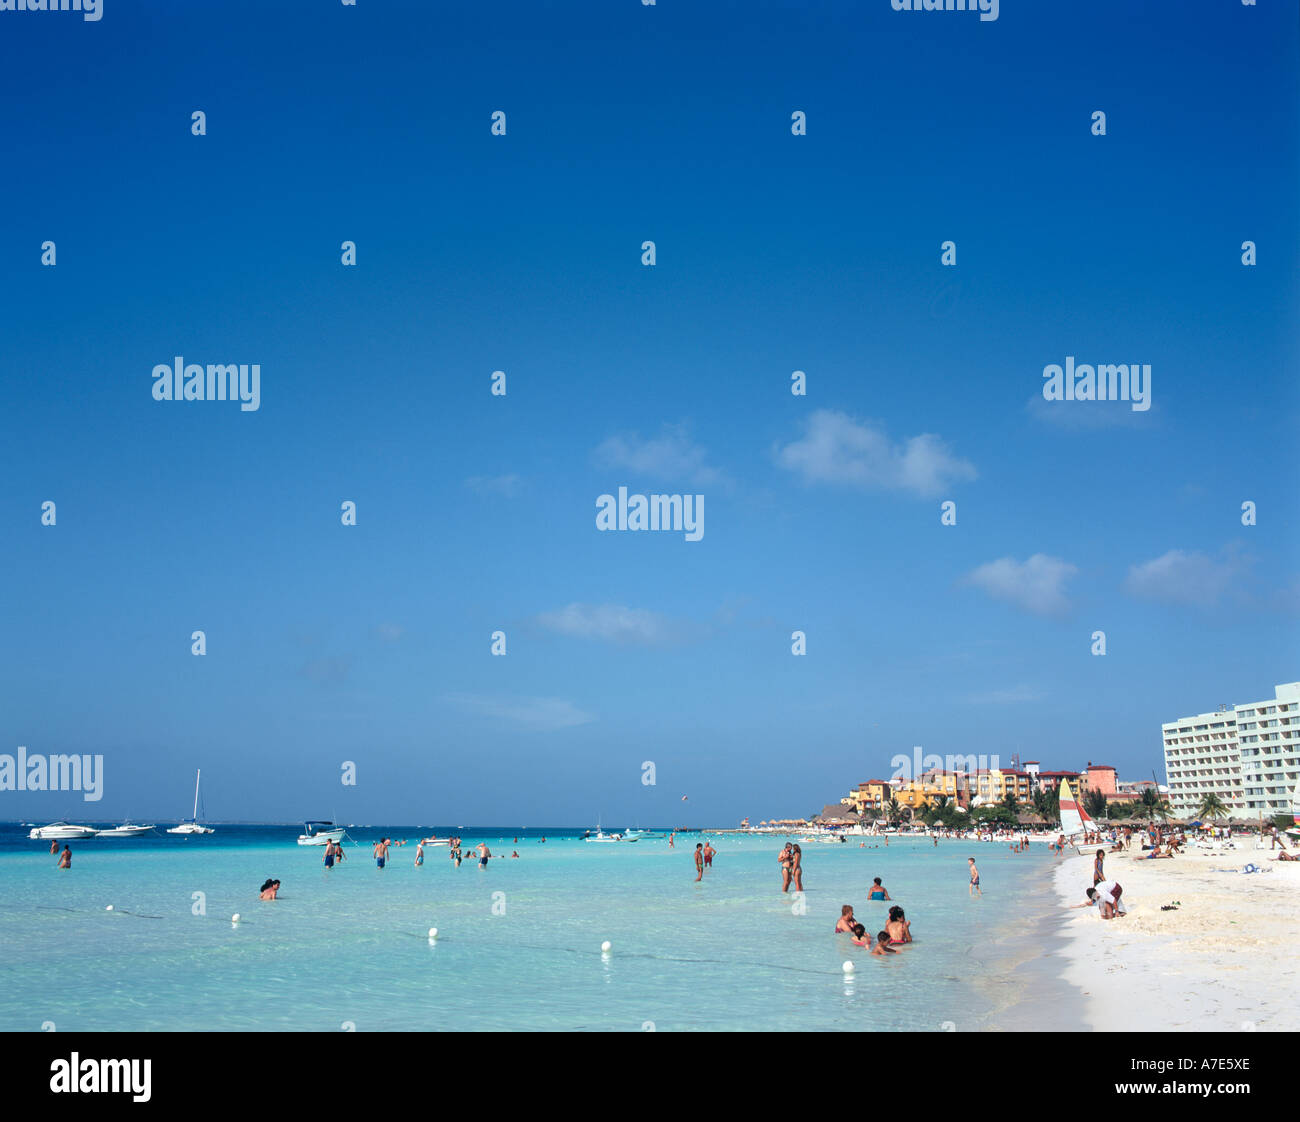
1248, 755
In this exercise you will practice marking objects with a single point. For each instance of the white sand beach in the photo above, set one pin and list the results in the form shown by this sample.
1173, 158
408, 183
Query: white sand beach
1225, 960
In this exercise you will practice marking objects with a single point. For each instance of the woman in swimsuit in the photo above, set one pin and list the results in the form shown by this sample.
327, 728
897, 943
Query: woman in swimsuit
784, 861
796, 867
877, 891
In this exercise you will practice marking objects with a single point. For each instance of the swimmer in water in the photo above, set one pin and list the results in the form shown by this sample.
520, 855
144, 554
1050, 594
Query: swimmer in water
784, 861
974, 878
483, 854
877, 891
796, 867
882, 944
269, 890
860, 936
419, 855
65, 858
900, 930
54, 847
329, 853
381, 852
699, 861
846, 921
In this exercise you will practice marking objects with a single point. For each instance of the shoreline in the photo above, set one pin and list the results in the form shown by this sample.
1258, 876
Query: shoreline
1224, 960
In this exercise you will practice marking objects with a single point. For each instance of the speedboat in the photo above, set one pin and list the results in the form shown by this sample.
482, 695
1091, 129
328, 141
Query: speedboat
631, 835
191, 825
126, 830
62, 830
601, 836
320, 833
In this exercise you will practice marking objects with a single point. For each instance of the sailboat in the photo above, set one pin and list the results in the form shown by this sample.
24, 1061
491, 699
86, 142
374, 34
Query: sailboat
191, 825
1074, 819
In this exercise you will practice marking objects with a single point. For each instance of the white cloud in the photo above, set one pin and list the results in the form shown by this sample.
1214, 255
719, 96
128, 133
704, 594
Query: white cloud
610, 622
670, 457
1182, 578
836, 448
505, 485
1036, 585
539, 714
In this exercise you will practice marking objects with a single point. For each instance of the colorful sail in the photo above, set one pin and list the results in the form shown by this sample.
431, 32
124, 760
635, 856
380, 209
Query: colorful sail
1074, 819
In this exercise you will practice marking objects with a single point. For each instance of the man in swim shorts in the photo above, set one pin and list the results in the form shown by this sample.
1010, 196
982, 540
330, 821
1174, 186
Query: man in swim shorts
709, 851
699, 861
846, 921
483, 854
381, 852
974, 878
329, 853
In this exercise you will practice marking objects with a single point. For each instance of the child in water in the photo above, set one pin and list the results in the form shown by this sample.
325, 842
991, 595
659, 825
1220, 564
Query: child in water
882, 944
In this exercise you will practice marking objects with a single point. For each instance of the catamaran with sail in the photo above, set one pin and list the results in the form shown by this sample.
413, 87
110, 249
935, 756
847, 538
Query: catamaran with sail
1074, 819
191, 824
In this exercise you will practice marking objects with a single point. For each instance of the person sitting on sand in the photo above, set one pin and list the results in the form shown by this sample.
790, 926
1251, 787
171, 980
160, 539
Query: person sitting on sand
860, 936
269, 890
846, 922
882, 945
877, 891
900, 930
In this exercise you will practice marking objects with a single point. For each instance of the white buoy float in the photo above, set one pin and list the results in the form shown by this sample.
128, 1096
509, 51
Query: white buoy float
234, 918
433, 932
848, 966
108, 907
606, 946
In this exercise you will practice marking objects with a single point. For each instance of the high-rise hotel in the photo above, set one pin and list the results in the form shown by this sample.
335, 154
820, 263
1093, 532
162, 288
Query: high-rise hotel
1248, 755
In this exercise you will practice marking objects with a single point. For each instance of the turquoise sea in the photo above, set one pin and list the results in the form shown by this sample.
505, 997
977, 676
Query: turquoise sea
519, 944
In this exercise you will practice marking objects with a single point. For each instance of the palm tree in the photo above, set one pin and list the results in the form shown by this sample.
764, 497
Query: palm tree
1153, 806
893, 810
1213, 807
1094, 802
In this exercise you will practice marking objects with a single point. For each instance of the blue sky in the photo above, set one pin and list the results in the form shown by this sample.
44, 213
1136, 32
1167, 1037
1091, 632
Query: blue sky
522, 253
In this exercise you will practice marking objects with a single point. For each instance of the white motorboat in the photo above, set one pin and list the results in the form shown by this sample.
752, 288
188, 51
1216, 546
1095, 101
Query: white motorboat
59, 831
320, 833
631, 835
191, 825
126, 830
601, 836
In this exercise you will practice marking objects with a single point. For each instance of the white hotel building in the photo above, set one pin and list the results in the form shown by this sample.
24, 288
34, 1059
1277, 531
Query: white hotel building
1248, 755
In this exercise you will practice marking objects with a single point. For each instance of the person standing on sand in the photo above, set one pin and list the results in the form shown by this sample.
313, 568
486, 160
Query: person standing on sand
65, 858
1097, 875
796, 867
699, 861
785, 860
974, 878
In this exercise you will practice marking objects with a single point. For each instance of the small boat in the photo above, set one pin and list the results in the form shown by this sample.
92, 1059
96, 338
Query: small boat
631, 835
1074, 819
601, 836
126, 830
191, 825
320, 833
62, 830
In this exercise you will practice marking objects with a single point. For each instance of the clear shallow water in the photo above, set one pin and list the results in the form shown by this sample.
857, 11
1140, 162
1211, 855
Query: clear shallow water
351, 945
